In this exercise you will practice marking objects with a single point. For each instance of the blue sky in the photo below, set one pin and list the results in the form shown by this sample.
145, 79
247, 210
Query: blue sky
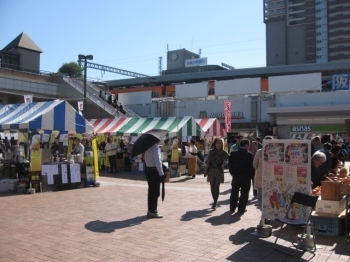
132, 35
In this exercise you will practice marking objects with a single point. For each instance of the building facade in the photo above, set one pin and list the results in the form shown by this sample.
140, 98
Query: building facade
307, 31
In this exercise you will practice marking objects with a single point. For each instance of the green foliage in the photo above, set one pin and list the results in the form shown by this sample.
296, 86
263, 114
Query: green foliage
71, 69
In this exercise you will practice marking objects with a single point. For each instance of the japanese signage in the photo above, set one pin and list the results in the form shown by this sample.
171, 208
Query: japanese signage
196, 62
28, 99
228, 115
80, 106
286, 169
340, 82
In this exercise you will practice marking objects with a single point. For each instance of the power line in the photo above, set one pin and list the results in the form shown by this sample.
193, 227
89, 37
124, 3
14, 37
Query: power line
236, 42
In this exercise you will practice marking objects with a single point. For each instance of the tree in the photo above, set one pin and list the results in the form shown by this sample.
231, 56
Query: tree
71, 69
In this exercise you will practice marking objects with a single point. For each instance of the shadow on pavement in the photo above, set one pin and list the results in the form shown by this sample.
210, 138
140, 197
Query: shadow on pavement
226, 192
223, 203
224, 219
189, 215
342, 247
253, 248
109, 227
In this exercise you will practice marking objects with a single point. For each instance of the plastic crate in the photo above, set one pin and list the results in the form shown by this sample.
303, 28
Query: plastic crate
327, 225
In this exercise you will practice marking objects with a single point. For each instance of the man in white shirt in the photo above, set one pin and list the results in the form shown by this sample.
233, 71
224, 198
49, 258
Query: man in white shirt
111, 151
79, 148
154, 175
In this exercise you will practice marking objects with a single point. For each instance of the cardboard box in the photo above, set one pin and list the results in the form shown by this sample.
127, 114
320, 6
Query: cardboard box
331, 190
330, 206
345, 189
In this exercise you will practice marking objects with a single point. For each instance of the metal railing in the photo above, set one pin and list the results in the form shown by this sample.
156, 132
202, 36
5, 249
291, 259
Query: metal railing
93, 95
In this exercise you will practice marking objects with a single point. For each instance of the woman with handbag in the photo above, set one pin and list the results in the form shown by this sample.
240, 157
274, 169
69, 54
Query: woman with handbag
214, 168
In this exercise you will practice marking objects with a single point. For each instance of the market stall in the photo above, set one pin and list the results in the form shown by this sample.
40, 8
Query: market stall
109, 127
42, 120
177, 126
211, 126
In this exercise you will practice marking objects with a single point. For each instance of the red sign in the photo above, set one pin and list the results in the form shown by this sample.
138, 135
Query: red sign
228, 115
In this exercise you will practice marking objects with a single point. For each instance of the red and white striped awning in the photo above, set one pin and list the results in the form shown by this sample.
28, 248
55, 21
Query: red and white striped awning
211, 126
109, 126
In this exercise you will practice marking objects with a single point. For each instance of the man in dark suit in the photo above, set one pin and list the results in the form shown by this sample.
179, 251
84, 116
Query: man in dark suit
242, 170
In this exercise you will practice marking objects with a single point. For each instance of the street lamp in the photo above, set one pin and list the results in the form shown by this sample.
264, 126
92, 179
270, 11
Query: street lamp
85, 58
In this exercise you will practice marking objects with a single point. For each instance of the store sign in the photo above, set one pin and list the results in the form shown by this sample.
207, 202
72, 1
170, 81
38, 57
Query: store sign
234, 115
301, 129
337, 128
340, 82
196, 62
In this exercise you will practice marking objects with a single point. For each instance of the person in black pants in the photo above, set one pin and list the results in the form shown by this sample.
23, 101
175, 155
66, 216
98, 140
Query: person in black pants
154, 175
242, 170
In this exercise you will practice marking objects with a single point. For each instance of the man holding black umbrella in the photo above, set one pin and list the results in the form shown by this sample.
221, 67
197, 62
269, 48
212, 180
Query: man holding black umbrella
149, 144
154, 175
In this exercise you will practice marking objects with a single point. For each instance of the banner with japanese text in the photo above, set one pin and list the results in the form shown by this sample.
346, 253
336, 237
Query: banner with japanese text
228, 115
286, 169
80, 106
28, 99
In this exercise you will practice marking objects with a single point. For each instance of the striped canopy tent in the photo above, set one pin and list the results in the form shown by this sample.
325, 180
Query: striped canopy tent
211, 126
44, 116
109, 126
177, 126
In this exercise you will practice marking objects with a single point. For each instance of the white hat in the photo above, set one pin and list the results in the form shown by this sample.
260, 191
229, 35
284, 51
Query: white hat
340, 140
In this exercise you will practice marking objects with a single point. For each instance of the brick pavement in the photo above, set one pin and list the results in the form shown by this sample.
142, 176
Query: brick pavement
109, 223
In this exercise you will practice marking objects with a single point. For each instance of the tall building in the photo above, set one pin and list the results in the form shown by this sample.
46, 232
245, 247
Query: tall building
307, 31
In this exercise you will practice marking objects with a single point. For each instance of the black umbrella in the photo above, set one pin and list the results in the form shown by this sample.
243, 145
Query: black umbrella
146, 140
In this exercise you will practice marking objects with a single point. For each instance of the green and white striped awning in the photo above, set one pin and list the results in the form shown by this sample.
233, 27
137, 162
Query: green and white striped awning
177, 126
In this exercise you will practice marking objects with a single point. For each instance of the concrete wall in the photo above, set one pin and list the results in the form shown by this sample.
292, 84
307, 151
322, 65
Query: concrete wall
181, 55
27, 85
241, 109
313, 99
296, 45
28, 76
29, 59
276, 44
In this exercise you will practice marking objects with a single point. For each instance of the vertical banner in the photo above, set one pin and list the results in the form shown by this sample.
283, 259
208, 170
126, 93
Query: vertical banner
28, 99
228, 115
286, 169
80, 106
95, 152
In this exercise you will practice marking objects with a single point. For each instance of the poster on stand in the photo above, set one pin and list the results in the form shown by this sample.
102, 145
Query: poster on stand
286, 169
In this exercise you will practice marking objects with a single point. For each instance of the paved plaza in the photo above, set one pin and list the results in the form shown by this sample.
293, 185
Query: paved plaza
109, 223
